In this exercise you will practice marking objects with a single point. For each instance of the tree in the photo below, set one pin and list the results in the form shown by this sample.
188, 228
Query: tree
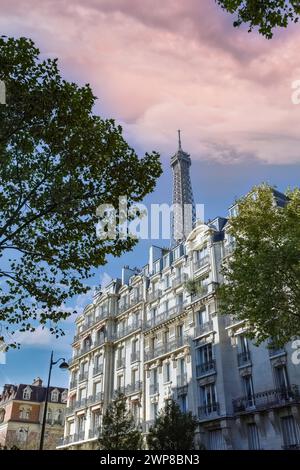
172, 429
119, 430
262, 277
266, 14
59, 162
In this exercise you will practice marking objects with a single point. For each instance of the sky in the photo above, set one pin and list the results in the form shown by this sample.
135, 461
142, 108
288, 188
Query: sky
157, 67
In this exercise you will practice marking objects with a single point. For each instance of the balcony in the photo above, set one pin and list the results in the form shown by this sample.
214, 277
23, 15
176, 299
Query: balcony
153, 389
136, 300
230, 320
202, 293
120, 362
99, 341
82, 403
179, 280
154, 295
135, 356
166, 348
267, 399
209, 411
134, 387
201, 262
98, 369
128, 329
98, 397
244, 358
123, 307
164, 316
70, 409
206, 368
203, 329
68, 439
119, 390
79, 436
83, 376
94, 433
73, 384
181, 380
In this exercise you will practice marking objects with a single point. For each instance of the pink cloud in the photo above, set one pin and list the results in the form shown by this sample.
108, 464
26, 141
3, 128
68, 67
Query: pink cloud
157, 66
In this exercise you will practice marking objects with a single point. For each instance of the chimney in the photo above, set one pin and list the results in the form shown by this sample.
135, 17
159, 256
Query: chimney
37, 382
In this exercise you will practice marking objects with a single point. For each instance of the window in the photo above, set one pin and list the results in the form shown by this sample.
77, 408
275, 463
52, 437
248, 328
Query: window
154, 410
135, 411
281, 377
181, 366
249, 392
119, 381
59, 417
182, 402
166, 336
157, 267
179, 299
209, 398
96, 417
54, 395
82, 394
216, 440
205, 354
24, 413
290, 432
166, 261
253, 437
177, 252
180, 332
202, 317
64, 396
22, 435
167, 281
27, 393
134, 376
167, 372
49, 415
244, 345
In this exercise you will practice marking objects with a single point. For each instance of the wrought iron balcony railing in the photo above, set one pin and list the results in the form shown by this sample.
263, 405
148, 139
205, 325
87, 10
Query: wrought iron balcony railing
153, 388
164, 316
179, 280
206, 368
201, 262
154, 295
208, 410
133, 387
267, 399
83, 376
135, 356
244, 358
128, 329
204, 328
166, 348
96, 398
120, 362
98, 369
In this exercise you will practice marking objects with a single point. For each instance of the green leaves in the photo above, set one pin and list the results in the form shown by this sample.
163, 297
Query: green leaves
265, 15
172, 430
58, 163
262, 278
119, 431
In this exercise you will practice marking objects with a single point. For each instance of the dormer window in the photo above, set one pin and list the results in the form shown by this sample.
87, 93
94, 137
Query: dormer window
54, 395
64, 396
27, 393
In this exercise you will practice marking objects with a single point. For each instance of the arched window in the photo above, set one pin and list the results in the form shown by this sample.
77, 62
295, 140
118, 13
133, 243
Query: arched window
22, 434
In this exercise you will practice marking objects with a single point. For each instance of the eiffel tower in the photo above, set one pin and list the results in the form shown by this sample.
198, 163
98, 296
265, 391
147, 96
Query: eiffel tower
184, 212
